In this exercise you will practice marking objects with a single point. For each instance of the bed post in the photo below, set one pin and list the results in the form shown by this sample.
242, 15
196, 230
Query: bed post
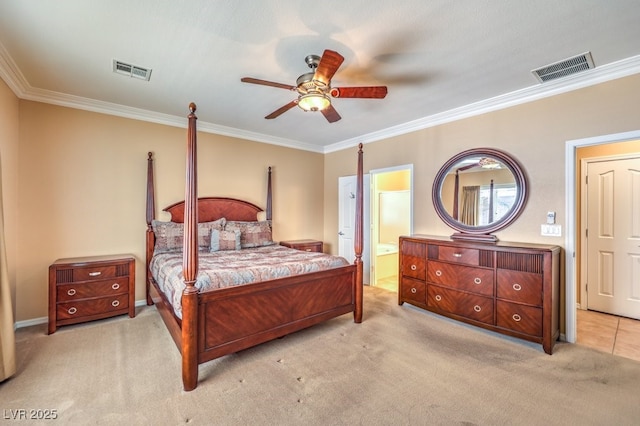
269, 194
357, 313
190, 262
151, 212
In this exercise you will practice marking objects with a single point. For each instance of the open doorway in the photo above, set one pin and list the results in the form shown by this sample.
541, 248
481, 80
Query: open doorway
391, 217
574, 152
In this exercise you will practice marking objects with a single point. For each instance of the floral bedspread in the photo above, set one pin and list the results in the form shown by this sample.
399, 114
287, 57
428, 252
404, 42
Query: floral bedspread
236, 267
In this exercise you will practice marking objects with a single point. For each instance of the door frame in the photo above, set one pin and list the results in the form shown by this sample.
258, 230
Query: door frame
374, 211
571, 185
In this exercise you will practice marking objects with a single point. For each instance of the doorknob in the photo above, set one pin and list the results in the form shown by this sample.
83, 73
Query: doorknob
340, 233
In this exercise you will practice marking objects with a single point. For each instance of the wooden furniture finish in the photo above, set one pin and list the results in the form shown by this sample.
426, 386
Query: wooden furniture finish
223, 321
509, 288
89, 288
304, 245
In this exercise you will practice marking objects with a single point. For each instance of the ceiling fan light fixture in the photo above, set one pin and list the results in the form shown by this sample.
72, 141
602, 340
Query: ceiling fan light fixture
488, 163
314, 101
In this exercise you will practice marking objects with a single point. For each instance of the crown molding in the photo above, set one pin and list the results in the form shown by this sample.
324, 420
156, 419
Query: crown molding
11, 74
604, 73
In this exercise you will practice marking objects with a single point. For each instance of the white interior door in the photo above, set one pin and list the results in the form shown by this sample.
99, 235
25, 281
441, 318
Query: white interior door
347, 220
613, 236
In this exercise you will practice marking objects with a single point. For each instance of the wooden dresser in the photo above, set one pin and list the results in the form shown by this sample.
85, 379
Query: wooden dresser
304, 245
510, 288
89, 288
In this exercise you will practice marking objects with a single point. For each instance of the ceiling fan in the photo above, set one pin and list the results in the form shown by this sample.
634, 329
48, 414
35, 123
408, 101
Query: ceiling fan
314, 88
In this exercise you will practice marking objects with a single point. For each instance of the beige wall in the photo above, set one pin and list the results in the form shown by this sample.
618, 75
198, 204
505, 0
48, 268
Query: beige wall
82, 182
79, 180
9, 137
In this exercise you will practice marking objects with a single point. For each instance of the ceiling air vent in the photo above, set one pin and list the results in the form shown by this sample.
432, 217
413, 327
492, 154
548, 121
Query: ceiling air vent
564, 68
131, 70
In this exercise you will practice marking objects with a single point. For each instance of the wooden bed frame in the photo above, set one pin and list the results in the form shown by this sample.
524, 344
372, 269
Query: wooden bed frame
223, 321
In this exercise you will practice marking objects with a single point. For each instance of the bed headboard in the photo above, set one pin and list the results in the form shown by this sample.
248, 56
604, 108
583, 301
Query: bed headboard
213, 208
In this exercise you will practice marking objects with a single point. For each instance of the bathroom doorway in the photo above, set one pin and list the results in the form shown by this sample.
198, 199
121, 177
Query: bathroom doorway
391, 217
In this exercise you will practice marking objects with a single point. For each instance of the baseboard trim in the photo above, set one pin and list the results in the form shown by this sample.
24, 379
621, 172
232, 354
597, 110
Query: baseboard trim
44, 320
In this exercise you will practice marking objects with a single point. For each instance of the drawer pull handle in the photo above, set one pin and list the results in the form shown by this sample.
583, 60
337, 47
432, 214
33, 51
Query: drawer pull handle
71, 292
94, 274
414, 267
457, 254
115, 286
414, 290
516, 317
438, 273
517, 287
477, 308
477, 281
72, 310
115, 303
438, 297
307, 249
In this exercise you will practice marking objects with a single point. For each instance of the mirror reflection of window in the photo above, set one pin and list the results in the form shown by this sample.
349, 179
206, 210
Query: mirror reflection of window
504, 196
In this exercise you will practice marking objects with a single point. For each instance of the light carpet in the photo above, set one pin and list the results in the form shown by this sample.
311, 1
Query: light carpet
401, 366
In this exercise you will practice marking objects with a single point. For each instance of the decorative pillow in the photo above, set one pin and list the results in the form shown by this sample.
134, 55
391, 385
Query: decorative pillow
252, 234
170, 235
204, 232
225, 240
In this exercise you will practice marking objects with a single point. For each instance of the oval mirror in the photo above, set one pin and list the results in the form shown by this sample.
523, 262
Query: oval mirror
478, 192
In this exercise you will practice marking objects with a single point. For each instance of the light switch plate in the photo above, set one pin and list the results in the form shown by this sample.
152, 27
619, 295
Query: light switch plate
551, 230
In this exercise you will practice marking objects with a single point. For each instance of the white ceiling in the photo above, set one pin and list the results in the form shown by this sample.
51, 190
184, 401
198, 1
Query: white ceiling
441, 59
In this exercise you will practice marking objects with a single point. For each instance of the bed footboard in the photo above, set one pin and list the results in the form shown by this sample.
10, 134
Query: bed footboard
241, 317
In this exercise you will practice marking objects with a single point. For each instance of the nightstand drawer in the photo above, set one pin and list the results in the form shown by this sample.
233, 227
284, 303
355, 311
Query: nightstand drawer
94, 273
89, 307
304, 245
75, 291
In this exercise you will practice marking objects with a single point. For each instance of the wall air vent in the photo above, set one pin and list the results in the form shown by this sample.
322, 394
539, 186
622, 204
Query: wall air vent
564, 68
129, 70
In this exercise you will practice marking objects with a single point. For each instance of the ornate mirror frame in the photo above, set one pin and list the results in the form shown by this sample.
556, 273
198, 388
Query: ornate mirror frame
481, 232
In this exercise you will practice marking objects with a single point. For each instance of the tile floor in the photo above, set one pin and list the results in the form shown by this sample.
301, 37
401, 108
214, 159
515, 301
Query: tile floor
608, 333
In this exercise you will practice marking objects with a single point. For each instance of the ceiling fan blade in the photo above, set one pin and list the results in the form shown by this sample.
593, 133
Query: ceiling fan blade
331, 114
329, 64
267, 83
377, 92
282, 109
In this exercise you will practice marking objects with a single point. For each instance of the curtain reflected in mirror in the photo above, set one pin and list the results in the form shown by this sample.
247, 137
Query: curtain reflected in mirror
470, 203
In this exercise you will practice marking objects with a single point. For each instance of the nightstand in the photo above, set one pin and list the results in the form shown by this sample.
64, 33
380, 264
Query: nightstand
89, 288
304, 245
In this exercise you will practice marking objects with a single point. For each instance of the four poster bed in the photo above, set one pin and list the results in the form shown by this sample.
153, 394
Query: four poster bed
212, 312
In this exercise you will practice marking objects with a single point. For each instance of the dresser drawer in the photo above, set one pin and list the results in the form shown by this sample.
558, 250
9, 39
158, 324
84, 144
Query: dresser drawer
413, 290
414, 267
88, 307
524, 287
467, 278
462, 255
471, 306
76, 291
521, 318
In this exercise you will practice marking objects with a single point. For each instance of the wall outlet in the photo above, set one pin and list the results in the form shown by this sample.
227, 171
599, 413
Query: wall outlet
551, 230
